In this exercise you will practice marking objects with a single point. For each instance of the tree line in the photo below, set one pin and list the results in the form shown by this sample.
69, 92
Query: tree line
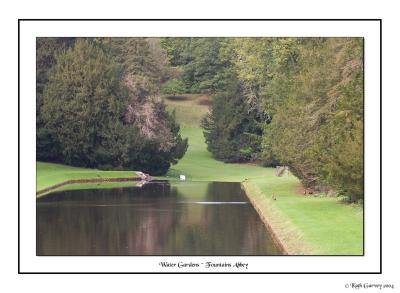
280, 101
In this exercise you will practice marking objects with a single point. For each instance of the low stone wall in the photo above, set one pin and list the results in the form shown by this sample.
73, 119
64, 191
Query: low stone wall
94, 180
264, 219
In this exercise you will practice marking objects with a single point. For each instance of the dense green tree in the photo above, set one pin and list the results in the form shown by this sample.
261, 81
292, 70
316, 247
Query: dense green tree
178, 51
232, 130
144, 70
146, 154
143, 62
98, 103
83, 102
204, 63
47, 50
341, 133
317, 128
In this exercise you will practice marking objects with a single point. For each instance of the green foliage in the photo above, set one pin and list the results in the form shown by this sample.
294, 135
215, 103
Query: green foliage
47, 147
177, 50
317, 126
231, 130
173, 87
47, 50
146, 155
204, 62
82, 100
306, 94
342, 131
143, 63
98, 111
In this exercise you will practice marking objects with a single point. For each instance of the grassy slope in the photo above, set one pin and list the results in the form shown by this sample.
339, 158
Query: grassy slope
49, 174
198, 164
309, 225
188, 111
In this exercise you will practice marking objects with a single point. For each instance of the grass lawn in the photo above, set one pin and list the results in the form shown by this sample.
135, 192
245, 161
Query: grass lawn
199, 165
308, 224
49, 174
189, 110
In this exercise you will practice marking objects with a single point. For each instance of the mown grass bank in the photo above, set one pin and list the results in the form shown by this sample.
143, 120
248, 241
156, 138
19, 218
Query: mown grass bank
49, 174
307, 224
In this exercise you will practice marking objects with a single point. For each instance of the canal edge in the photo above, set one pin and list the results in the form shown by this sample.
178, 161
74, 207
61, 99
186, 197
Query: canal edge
264, 219
285, 240
44, 191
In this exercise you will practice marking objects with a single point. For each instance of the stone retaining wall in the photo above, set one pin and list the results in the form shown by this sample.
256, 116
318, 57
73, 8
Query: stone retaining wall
264, 219
94, 180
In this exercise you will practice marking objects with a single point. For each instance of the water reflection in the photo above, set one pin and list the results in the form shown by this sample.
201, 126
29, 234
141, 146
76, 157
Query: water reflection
183, 218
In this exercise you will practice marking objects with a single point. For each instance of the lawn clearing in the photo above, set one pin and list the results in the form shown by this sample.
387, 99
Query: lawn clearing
189, 109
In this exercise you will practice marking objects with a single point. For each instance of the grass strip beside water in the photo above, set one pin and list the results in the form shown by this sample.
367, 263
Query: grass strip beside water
49, 174
307, 224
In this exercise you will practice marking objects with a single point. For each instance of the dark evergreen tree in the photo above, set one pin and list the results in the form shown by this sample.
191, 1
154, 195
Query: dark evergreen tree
83, 102
47, 49
232, 131
99, 109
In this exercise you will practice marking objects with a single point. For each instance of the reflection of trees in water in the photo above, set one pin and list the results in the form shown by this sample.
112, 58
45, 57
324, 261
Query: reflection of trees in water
118, 221
155, 224
226, 229
237, 227
150, 220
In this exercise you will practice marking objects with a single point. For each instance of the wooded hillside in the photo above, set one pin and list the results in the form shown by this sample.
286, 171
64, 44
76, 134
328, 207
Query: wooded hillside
281, 101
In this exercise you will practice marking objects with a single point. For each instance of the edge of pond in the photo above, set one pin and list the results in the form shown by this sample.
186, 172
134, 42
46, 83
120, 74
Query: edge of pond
55, 187
44, 191
285, 235
290, 242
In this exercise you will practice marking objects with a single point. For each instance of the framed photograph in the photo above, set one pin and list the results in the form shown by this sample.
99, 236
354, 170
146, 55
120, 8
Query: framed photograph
200, 146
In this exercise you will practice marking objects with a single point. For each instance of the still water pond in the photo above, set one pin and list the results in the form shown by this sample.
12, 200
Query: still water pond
161, 218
